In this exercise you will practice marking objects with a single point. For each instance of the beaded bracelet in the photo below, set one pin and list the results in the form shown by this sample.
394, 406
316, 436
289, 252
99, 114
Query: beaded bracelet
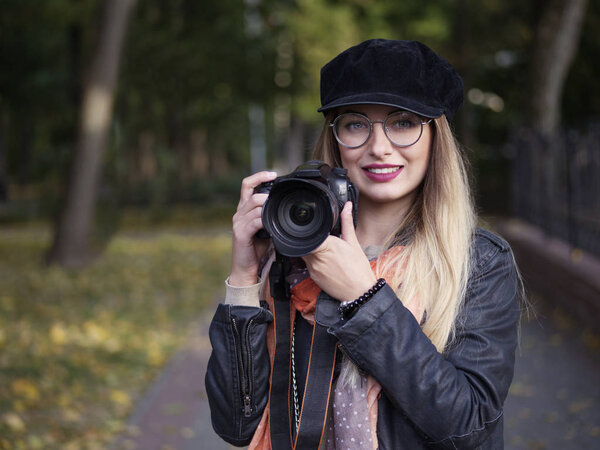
346, 309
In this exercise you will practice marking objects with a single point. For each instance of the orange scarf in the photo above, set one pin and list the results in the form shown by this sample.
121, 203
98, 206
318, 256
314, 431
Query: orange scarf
304, 299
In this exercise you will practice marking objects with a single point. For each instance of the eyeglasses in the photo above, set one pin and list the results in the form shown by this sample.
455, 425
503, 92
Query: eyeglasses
403, 128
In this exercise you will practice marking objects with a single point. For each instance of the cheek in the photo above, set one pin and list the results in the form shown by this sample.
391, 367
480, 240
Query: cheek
349, 160
421, 164
419, 161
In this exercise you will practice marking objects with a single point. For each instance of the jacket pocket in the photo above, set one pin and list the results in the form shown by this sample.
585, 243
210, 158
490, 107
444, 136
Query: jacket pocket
243, 351
237, 375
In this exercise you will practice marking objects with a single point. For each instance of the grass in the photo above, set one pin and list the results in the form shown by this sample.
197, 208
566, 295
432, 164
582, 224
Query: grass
78, 348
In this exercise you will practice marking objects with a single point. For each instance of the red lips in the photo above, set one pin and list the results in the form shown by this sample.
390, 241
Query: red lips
381, 173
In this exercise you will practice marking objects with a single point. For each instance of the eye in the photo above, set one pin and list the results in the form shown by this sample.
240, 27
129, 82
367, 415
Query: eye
356, 125
402, 121
353, 123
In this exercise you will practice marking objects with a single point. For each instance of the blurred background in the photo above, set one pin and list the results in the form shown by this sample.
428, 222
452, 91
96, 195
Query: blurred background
127, 125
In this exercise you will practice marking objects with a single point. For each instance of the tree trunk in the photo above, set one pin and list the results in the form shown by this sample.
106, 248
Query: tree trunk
555, 47
3, 168
75, 223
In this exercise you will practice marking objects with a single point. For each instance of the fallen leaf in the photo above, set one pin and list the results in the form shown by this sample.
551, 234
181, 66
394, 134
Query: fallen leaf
58, 334
577, 407
14, 422
25, 388
120, 397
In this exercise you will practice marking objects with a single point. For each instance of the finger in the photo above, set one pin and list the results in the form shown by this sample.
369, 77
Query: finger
347, 220
313, 256
245, 226
249, 183
254, 201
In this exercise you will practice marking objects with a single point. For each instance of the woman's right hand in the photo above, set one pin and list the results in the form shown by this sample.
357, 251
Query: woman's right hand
247, 249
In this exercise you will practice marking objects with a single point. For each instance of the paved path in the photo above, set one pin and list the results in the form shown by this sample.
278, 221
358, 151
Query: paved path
554, 402
174, 414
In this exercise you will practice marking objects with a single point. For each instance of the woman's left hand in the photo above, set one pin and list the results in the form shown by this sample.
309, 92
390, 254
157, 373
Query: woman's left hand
339, 265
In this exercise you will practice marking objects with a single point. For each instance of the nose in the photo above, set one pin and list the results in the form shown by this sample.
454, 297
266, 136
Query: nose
379, 144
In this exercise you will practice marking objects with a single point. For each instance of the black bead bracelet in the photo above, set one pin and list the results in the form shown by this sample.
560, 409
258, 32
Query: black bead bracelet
346, 309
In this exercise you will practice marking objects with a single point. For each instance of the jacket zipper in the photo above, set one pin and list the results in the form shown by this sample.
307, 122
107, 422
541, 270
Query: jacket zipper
346, 354
248, 397
245, 375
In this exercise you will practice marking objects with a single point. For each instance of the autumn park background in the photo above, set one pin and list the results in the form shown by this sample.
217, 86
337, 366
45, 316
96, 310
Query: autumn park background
126, 127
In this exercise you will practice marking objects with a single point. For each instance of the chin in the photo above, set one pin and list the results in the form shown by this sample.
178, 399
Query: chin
382, 197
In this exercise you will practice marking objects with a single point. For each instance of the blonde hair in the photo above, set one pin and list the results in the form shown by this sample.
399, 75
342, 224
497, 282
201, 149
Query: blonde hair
436, 233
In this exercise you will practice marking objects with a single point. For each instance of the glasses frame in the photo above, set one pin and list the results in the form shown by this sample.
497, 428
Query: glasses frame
371, 122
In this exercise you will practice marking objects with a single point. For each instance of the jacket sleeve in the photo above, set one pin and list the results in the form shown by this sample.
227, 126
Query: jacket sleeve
455, 399
237, 374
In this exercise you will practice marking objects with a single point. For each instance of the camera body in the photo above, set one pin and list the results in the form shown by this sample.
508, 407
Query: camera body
304, 207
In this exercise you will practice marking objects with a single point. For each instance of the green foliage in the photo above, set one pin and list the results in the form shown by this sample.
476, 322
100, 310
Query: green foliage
321, 30
77, 349
190, 70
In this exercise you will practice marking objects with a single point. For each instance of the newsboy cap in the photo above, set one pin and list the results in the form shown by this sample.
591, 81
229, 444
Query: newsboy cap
404, 74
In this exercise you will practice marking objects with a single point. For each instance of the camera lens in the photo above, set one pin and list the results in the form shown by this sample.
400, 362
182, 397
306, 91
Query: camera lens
299, 215
302, 213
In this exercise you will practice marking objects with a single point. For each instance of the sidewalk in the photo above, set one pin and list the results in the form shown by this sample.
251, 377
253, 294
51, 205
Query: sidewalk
554, 400
174, 414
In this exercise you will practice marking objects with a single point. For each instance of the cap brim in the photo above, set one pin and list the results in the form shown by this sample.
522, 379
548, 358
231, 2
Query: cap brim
386, 100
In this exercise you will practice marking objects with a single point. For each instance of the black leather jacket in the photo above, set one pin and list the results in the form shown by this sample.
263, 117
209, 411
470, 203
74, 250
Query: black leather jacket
430, 400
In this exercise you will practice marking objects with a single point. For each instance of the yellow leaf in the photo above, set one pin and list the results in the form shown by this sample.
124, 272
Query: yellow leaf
58, 334
14, 421
95, 332
577, 407
25, 388
112, 345
120, 397
155, 354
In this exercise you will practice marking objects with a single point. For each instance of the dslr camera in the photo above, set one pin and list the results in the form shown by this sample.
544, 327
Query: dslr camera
304, 207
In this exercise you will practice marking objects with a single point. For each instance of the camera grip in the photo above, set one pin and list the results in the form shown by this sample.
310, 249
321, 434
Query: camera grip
262, 234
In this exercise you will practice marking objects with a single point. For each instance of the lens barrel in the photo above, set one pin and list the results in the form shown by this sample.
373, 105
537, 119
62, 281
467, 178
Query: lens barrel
299, 215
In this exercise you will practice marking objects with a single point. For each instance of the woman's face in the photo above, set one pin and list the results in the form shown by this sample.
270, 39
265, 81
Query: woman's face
382, 171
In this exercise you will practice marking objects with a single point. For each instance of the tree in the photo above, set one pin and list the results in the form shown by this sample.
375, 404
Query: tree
554, 50
75, 223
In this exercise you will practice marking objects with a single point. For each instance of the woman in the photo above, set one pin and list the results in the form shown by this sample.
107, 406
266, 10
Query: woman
429, 303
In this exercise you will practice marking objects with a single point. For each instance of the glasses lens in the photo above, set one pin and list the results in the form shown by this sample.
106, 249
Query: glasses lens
351, 130
403, 128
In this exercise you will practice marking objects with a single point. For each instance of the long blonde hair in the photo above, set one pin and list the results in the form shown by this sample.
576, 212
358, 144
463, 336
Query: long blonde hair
436, 232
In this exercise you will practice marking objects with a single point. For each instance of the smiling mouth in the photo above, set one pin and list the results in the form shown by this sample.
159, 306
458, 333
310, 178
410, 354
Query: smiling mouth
383, 170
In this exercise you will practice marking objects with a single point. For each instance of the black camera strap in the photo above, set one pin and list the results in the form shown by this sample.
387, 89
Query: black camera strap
279, 403
319, 379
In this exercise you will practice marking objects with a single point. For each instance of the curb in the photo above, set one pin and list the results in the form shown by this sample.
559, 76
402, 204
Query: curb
566, 276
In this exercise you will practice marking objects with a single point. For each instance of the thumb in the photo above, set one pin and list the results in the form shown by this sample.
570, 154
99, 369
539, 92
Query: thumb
348, 232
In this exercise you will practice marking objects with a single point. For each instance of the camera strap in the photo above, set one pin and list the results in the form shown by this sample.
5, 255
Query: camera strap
319, 378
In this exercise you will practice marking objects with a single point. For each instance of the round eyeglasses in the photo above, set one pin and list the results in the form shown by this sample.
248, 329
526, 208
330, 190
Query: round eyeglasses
403, 128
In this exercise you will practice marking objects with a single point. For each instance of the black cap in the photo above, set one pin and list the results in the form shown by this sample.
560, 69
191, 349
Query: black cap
405, 74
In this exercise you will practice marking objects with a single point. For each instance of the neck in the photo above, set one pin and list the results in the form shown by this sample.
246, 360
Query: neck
377, 221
